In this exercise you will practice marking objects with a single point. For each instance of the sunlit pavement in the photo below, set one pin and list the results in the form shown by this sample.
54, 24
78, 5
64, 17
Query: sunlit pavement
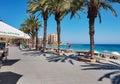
32, 67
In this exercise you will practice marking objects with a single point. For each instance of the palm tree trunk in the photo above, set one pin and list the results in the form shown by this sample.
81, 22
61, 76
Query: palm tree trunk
36, 38
28, 46
58, 34
91, 33
32, 42
45, 34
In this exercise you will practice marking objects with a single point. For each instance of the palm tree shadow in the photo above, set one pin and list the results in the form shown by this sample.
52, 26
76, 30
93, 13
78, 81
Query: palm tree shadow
9, 77
113, 76
32, 53
63, 58
102, 66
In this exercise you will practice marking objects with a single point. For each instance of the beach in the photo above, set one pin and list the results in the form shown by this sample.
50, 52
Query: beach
98, 47
28, 67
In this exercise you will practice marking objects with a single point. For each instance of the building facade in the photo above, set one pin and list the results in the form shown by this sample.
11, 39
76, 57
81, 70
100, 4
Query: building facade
40, 41
52, 39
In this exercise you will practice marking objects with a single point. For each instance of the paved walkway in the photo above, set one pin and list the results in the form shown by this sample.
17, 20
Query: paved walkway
32, 67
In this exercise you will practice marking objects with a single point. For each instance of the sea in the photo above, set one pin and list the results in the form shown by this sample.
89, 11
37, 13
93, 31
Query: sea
100, 48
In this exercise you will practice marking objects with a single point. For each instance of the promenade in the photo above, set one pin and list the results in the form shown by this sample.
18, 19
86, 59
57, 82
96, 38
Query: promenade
32, 67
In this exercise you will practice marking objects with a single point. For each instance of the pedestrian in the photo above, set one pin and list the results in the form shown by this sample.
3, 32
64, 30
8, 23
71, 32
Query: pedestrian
69, 46
19, 45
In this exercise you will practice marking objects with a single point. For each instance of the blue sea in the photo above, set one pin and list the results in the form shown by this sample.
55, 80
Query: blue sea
98, 47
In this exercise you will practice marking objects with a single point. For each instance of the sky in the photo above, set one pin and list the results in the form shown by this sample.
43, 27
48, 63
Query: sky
76, 30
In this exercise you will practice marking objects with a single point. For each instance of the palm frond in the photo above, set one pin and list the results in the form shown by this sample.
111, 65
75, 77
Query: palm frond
31, 24
108, 6
117, 1
99, 16
76, 6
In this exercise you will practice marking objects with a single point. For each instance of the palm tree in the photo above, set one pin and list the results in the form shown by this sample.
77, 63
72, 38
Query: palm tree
24, 28
93, 7
59, 8
42, 7
76, 7
31, 26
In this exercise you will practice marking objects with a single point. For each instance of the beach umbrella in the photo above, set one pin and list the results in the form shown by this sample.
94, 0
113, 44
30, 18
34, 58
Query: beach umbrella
95, 51
8, 31
115, 53
104, 51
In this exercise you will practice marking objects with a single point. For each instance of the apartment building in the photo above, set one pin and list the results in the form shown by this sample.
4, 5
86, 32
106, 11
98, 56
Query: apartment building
52, 38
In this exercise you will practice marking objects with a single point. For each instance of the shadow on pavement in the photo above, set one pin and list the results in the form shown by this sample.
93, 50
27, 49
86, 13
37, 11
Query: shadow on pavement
63, 58
9, 77
102, 66
114, 76
35, 53
32, 53
10, 62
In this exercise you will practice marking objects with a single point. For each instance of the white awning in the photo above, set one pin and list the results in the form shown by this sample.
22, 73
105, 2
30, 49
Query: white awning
8, 31
115, 53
